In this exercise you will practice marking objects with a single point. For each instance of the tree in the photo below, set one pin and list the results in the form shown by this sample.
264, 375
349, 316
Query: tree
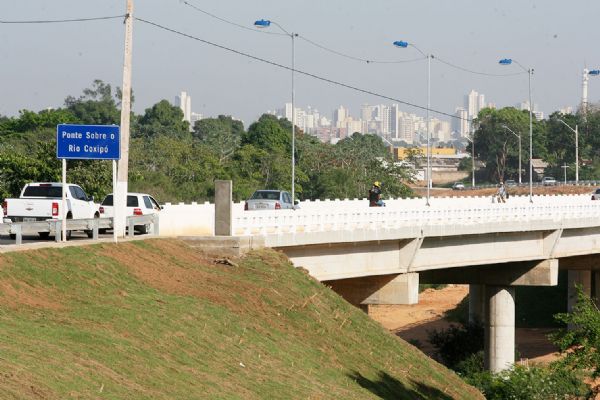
222, 135
162, 119
498, 148
97, 105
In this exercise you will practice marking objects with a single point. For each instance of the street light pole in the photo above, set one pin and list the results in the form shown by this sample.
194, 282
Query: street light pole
403, 44
518, 137
265, 24
508, 61
576, 149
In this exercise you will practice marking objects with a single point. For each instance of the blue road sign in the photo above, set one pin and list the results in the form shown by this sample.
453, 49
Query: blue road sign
95, 142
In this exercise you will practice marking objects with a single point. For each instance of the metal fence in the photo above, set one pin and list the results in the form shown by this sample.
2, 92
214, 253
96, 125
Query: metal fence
92, 226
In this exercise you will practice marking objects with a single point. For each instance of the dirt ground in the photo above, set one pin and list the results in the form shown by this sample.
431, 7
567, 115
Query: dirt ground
513, 191
413, 322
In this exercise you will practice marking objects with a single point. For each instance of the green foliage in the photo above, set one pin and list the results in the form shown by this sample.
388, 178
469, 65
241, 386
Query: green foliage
457, 343
97, 105
162, 119
222, 135
581, 343
529, 383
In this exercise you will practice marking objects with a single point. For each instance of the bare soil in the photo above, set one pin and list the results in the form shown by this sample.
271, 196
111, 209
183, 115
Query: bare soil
413, 322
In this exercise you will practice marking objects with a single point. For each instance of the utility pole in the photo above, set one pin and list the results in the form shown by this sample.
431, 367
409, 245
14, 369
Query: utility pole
120, 197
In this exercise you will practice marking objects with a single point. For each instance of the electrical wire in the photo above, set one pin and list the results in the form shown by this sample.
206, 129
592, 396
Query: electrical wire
475, 72
228, 21
368, 61
263, 60
55, 21
309, 41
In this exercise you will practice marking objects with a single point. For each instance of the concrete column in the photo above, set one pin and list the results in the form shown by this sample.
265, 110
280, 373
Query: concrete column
500, 328
476, 303
223, 208
582, 278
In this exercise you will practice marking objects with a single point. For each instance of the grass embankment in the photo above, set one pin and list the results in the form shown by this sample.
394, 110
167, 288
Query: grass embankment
155, 319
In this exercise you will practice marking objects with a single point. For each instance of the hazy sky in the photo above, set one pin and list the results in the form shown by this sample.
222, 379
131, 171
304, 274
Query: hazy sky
42, 64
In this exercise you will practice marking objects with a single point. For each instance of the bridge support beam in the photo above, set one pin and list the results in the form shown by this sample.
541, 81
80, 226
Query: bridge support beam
476, 303
380, 289
500, 328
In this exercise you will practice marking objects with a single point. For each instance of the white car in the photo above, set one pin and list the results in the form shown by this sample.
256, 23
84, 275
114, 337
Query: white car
549, 181
270, 200
137, 204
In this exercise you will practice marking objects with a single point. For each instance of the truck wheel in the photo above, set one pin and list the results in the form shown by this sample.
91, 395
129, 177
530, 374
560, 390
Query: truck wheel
143, 229
69, 232
13, 236
44, 235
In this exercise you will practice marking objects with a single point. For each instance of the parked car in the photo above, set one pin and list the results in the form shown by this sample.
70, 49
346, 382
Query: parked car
458, 186
137, 204
549, 181
40, 201
270, 200
510, 183
596, 194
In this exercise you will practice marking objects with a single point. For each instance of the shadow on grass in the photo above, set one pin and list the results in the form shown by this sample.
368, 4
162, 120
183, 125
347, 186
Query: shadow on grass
387, 387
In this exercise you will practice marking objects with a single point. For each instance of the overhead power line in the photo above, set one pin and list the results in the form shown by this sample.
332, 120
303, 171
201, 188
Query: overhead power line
475, 72
57, 21
263, 60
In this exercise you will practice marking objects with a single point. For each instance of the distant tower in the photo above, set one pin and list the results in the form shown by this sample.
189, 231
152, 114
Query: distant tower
584, 89
184, 101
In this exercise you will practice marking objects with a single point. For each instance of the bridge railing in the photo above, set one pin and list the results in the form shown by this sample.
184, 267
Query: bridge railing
344, 219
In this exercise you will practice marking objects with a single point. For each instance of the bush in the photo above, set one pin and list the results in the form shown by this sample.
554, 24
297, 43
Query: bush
457, 343
530, 383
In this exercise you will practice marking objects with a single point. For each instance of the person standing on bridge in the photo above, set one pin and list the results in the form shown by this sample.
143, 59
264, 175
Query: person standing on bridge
501, 193
375, 195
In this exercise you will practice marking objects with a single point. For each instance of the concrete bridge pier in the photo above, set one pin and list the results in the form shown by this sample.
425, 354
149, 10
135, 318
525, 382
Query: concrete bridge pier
581, 278
499, 344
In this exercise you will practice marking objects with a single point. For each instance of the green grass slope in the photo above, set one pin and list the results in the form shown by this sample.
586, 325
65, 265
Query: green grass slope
155, 319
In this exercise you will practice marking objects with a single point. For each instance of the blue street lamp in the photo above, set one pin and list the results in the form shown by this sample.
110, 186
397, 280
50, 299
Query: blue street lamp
402, 44
265, 23
509, 61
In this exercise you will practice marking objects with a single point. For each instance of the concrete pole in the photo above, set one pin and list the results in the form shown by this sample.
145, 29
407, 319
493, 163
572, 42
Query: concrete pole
476, 303
120, 197
223, 208
500, 328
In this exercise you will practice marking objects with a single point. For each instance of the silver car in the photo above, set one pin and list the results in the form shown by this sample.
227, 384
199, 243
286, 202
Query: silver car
270, 200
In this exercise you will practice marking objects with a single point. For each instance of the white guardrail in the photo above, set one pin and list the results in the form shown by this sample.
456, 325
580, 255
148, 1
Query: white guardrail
343, 215
92, 226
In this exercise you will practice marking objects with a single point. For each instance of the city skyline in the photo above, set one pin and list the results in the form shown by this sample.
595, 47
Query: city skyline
468, 34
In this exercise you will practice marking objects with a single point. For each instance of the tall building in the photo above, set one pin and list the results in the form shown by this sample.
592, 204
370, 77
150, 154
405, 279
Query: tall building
393, 127
339, 116
184, 101
461, 122
474, 102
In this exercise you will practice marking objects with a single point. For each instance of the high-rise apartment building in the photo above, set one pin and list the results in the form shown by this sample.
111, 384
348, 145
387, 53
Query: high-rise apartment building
474, 102
461, 122
393, 127
184, 101
339, 116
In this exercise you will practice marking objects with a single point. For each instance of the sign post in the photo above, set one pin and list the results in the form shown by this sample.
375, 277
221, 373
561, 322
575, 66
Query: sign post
85, 142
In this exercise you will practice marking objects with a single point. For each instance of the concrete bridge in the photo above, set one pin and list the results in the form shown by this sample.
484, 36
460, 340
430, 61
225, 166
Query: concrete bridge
380, 255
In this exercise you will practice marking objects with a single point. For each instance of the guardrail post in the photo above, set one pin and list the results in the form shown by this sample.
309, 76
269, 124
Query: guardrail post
223, 208
95, 229
16, 229
155, 224
130, 227
57, 230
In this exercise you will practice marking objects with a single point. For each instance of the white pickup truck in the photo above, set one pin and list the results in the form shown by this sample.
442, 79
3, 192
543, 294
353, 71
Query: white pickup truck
42, 201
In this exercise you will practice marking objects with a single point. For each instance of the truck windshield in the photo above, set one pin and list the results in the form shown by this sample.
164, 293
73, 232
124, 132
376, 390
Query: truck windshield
43, 191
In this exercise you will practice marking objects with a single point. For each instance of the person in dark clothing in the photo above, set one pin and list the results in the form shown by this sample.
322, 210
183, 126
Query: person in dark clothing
375, 195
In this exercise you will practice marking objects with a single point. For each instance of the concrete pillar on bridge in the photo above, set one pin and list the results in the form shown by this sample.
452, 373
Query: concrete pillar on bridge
500, 328
581, 278
223, 208
476, 303
379, 289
